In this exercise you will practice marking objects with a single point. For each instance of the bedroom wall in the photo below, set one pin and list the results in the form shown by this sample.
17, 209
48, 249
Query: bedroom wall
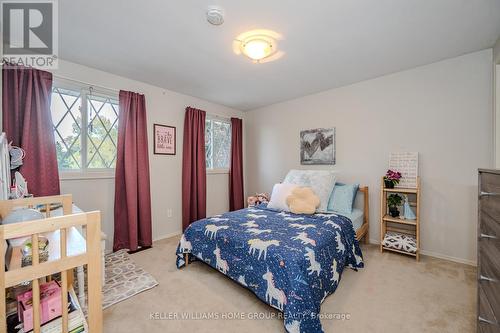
442, 110
163, 107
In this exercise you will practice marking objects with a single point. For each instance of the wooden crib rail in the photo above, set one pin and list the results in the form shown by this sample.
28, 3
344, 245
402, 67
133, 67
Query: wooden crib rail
66, 200
65, 265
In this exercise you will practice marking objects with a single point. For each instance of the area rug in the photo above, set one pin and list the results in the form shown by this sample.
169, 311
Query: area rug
124, 278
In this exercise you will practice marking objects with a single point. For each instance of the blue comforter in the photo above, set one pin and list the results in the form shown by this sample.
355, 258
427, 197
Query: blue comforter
291, 262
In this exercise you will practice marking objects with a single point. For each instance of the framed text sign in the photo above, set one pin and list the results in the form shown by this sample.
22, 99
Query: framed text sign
164, 140
407, 164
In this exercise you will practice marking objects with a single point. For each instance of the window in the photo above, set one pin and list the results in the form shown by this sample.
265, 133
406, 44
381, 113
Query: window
85, 128
217, 143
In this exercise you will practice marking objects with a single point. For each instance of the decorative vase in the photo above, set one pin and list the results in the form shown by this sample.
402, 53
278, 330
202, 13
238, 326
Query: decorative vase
389, 184
394, 211
408, 213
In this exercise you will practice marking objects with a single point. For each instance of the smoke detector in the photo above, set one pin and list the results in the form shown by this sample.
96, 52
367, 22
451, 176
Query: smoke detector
215, 15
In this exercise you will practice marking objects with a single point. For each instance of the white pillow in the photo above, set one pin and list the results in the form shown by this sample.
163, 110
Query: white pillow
321, 182
279, 195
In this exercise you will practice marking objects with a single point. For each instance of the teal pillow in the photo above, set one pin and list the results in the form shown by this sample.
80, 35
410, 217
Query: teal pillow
342, 198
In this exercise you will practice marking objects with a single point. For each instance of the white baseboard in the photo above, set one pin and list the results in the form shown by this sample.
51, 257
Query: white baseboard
438, 255
172, 234
450, 258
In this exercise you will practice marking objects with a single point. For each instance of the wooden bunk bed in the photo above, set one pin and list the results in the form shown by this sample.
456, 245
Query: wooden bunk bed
68, 251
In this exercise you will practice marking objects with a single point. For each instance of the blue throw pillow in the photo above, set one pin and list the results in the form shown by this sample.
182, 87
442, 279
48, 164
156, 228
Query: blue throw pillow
342, 198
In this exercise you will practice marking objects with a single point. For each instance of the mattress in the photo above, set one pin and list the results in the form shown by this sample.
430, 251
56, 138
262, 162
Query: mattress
356, 218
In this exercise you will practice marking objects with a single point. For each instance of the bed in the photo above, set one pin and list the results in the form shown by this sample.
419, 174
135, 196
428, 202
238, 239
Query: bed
291, 262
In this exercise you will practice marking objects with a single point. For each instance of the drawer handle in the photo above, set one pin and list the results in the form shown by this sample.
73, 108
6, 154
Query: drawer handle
488, 236
491, 322
489, 194
485, 278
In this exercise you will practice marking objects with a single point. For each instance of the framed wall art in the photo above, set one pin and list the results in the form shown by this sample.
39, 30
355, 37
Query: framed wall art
164, 139
317, 146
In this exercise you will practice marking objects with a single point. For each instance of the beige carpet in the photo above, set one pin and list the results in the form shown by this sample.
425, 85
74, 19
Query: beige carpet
392, 293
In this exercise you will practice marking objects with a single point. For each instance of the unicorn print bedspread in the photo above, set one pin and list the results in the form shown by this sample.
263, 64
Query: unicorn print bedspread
291, 262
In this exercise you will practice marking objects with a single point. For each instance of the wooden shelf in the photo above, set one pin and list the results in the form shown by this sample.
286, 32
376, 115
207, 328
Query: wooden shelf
396, 224
399, 251
401, 190
388, 218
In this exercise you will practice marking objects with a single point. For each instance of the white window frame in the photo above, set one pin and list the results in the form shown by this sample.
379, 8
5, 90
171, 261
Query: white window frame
85, 90
212, 117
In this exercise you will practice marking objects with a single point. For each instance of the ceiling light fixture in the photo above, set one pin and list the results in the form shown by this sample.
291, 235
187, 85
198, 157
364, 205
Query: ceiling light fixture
258, 47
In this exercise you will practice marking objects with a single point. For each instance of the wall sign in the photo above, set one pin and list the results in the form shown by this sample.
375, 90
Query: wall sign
407, 164
164, 140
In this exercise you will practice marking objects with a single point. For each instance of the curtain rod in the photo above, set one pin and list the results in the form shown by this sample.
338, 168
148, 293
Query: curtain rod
3, 62
217, 116
85, 83
210, 114
88, 84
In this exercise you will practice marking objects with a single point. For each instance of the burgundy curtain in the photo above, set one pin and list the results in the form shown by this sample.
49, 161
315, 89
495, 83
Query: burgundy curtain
236, 200
194, 173
27, 122
132, 193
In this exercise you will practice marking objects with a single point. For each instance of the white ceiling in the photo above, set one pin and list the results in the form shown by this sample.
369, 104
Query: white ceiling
327, 43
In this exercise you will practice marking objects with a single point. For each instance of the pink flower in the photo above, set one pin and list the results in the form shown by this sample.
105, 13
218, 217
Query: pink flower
394, 176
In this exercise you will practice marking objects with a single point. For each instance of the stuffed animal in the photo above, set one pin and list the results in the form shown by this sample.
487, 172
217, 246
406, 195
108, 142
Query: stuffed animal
258, 199
263, 197
302, 200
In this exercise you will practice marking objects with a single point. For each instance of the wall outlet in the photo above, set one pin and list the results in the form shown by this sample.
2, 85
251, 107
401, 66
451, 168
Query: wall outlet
169, 212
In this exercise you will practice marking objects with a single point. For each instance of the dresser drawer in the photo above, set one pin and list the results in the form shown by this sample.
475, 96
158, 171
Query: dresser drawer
489, 229
489, 257
487, 321
490, 206
490, 182
491, 288
484, 327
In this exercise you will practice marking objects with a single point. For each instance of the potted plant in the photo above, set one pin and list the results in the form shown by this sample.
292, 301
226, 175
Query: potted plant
392, 178
393, 201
